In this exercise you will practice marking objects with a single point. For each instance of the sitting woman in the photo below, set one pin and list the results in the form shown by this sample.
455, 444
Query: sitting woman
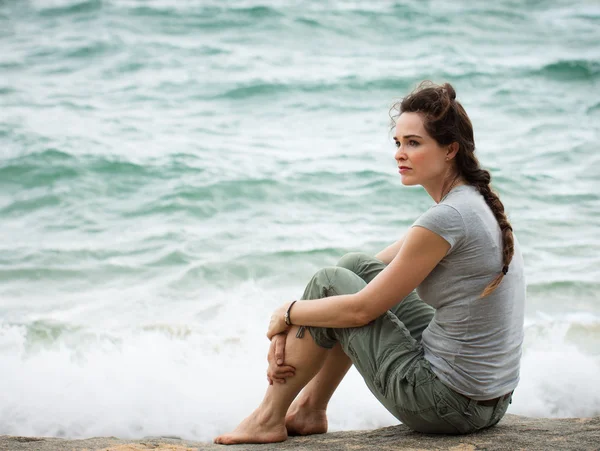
442, 359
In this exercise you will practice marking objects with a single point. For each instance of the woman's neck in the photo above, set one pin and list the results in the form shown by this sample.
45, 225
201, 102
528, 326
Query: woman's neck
439, 192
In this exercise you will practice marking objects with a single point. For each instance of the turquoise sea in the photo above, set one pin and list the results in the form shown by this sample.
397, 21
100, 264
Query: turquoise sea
171, 171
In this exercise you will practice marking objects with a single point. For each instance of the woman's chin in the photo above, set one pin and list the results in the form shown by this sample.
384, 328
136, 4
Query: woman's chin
406, 181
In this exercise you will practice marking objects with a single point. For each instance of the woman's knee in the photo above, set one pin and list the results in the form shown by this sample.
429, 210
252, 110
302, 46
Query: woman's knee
325, 277
332, 281
352, 261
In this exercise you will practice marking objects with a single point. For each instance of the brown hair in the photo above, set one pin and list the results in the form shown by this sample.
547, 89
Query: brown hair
446, 121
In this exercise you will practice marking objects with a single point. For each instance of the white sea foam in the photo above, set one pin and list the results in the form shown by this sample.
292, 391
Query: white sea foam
560, 372
195, 378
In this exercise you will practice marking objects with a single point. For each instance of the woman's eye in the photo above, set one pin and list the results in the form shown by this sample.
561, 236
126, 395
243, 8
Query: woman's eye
413, 143
397, 143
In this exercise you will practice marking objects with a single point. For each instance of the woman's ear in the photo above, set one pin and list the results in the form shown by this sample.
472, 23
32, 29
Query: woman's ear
451, 151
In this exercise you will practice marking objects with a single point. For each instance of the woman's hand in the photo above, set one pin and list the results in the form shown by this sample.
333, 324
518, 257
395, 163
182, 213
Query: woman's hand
277, 370
277, 323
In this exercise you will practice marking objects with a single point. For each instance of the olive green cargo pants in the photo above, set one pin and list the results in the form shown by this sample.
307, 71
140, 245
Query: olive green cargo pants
388, 354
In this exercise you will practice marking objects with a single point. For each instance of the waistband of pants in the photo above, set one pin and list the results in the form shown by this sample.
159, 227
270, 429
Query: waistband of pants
493, 402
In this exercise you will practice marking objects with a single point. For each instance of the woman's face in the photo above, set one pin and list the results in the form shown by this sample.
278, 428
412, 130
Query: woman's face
421, 160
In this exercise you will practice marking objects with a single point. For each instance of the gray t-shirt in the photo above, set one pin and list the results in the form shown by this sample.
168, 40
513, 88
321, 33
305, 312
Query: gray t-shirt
473, 344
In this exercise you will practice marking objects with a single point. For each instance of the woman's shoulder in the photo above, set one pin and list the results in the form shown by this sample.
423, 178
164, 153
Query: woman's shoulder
468, 202
445, 221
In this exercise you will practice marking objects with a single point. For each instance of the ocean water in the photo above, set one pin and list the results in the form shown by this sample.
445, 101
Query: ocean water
171, 171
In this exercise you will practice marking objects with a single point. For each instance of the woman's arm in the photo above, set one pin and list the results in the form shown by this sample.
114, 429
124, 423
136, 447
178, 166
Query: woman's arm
388, 254
421, 251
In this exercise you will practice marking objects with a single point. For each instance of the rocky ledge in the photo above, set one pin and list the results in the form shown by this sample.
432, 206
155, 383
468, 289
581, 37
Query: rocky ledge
512, 433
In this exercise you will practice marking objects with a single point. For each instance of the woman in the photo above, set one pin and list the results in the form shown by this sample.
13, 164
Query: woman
443, 359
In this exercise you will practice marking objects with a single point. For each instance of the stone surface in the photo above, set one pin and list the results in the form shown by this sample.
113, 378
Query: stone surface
512, 433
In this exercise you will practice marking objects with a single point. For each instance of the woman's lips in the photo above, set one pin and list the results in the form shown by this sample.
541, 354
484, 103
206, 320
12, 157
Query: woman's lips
403, 169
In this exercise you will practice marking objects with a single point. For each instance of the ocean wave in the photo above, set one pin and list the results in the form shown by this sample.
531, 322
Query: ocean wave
327, 253
564, 286
77, 274
11, 65
38, 169
174, 331
508, 15
570, 70
594, 109
77, 7
254, 89
170, 259
88, 50
350, 83
69, 255
258, 11
171, 206
564, 295
560, 358
116, 167
46, 333
75, 104
219, 275
38, 273
393, 86
25, 207
309, 21
53, 179
580, 196
198, 197
47, 156
52, 165
208, 17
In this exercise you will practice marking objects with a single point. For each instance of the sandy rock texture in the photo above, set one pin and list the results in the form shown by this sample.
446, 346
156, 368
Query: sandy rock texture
512, 433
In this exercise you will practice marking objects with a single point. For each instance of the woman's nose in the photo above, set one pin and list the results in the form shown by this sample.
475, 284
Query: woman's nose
400, 155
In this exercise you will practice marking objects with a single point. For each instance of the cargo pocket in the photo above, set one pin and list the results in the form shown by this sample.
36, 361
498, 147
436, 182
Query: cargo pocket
364, 363
398, 354
454, 418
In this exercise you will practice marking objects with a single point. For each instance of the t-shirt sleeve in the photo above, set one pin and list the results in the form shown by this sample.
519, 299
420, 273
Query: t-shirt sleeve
444, 221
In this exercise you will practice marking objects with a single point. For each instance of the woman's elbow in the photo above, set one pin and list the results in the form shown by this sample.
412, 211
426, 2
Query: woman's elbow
360, 312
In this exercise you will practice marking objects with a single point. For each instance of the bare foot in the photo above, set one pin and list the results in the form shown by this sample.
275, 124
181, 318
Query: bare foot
257, 428
305, 421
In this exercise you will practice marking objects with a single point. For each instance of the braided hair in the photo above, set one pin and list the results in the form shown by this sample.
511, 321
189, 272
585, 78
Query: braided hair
447, 122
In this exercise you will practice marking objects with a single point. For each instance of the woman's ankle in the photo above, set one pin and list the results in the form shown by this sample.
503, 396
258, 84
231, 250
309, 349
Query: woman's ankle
309, 403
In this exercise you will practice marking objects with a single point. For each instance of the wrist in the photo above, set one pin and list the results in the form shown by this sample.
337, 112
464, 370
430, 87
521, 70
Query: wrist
286, 317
